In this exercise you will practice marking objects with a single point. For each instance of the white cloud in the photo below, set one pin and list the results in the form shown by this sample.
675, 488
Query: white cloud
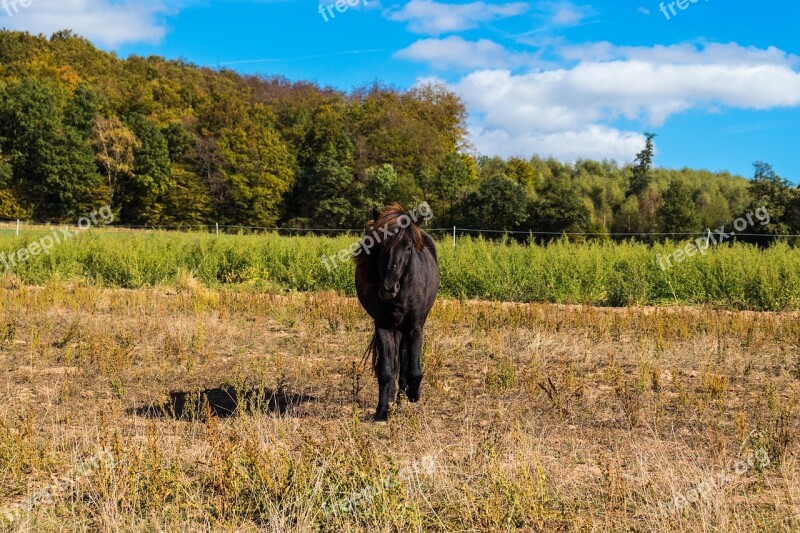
570, 111
108, 23
456, 53
564, 13
433, 18
593, 142
680, 54
566, 17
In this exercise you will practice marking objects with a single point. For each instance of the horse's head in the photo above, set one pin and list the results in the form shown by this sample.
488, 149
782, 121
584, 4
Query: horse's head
399, 236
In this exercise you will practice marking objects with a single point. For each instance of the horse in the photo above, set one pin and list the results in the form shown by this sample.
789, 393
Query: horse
396, 283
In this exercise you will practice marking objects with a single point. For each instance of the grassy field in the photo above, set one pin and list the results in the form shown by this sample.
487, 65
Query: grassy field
534, 417
606, 274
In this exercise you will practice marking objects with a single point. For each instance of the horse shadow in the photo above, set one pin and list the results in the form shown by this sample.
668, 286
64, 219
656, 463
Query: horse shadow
223, 402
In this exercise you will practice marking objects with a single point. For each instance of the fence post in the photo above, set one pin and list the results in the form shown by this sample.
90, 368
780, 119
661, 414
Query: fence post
217, 228
17, 227
454, 236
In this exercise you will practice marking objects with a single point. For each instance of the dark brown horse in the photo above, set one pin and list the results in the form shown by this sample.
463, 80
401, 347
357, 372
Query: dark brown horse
397, 278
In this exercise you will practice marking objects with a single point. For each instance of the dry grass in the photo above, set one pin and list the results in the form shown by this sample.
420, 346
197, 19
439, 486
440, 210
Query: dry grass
534, 417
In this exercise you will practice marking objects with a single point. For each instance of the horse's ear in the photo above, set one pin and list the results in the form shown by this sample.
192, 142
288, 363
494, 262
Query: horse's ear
375, 214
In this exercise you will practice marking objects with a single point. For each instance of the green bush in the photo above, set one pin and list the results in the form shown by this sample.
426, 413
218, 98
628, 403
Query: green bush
735, 276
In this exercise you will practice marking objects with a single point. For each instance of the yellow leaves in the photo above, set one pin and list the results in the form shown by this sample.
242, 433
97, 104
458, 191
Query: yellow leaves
114, 146
68, 75
10, 207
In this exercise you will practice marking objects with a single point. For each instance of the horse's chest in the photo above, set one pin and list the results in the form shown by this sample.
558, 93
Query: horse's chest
395, 315
398, 315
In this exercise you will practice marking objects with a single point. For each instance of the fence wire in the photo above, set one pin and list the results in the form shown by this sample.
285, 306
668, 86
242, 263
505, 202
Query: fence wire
226, 228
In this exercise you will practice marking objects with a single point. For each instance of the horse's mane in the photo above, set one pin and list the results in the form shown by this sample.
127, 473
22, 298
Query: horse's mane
389, 218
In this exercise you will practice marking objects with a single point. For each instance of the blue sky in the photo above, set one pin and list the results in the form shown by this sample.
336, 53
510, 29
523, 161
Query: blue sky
718, 81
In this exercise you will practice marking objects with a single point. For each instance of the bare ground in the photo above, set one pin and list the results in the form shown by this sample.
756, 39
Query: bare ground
191, 409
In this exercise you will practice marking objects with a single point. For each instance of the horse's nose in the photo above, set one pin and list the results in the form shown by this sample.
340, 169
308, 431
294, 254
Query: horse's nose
389, 291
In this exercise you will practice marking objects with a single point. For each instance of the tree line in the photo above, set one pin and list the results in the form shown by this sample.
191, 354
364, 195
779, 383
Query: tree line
168, 143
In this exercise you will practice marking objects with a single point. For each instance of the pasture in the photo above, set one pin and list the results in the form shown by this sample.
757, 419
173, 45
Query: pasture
603, 273
534, 417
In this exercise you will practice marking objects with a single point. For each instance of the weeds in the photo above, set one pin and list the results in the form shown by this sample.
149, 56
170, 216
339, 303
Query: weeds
248, 412
595, 273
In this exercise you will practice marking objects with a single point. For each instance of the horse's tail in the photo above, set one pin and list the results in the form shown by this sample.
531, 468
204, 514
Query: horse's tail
372, 350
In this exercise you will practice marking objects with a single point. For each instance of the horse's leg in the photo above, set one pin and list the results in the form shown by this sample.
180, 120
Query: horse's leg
403, 349
415, 363
385, 370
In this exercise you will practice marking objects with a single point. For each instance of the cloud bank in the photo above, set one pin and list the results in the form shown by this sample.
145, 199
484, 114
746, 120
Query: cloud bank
109, 23
433, 18
569, 111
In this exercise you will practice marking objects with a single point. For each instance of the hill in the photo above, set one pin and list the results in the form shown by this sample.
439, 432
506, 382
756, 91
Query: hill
164, 142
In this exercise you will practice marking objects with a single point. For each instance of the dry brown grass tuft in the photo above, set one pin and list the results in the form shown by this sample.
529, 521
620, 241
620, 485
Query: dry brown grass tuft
534, 417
